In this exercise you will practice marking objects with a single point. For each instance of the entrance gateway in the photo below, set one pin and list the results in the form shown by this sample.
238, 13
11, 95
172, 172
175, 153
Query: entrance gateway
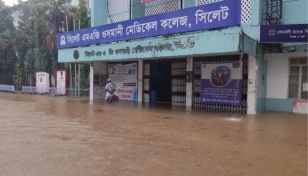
164, 82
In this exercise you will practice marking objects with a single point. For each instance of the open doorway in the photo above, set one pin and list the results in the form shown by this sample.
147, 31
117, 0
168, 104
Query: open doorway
160, 81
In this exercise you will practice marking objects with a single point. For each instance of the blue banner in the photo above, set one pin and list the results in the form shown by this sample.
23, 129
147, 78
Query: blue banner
214, 15
296, 33
221, 83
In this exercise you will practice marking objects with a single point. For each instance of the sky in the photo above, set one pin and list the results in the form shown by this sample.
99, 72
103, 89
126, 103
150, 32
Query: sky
10, 2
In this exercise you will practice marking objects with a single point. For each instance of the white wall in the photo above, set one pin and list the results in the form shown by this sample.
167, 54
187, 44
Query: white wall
252, 86
278, 74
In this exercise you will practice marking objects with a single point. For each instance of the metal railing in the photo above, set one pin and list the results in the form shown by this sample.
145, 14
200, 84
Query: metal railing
7, 88
54, 91
28, 89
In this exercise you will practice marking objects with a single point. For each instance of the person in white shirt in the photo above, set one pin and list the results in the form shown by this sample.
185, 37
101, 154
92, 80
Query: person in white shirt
110, 89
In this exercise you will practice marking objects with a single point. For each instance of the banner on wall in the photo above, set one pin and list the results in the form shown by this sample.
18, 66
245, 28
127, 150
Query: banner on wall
221, 83
124, 76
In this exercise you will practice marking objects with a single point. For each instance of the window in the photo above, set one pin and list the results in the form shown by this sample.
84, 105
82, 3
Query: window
298, 78
118, 10
161, 6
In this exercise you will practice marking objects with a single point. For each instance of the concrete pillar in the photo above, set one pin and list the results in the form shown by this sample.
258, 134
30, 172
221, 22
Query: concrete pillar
140, 81
137, 9
188, 3
91, 83
99, 13
252, 86
189, 85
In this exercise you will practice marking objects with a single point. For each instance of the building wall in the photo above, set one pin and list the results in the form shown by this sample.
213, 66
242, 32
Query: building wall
295, 12
278, 81
214, 42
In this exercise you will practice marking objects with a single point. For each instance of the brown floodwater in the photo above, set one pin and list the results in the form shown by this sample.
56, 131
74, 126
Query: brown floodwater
67, 136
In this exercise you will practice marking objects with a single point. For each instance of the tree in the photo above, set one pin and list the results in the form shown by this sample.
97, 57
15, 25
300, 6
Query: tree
84, 22
45, 18
7, 52
82, 15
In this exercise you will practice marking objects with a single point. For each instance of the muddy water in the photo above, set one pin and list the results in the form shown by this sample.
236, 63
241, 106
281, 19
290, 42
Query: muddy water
60, 136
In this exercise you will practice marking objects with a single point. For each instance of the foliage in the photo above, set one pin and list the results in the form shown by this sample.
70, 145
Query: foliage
30, 46
7, 52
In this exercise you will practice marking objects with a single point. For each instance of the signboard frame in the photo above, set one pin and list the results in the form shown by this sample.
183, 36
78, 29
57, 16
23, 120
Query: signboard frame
294, 33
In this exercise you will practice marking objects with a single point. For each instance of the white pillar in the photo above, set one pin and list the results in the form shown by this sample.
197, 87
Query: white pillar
79, 80
75, 85
189, 84
140, 81
91, 83
252, 86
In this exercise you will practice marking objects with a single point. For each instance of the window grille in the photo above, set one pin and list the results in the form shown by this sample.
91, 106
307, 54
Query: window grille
298, 78
118, 10
161, 6
245, 8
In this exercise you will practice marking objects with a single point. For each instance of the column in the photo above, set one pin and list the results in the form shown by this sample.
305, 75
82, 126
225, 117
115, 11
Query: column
137, 9
189, 85
140, 81
99, 12
252, 87
188, 3
91, 83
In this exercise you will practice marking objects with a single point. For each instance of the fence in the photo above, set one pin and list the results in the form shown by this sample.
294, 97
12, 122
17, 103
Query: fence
54, 91
7, 88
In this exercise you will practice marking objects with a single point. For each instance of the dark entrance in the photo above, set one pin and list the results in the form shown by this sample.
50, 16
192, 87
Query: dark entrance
160, 81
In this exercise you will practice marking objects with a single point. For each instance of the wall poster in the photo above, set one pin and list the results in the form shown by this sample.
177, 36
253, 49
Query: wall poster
221, 83
124, 76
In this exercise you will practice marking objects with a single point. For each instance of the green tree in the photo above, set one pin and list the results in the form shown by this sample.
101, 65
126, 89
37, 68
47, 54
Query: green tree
82, 15
7, 52
45, 18
84, 21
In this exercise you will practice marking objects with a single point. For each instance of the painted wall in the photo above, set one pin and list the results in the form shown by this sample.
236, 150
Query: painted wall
277, 81
252, 83
99, 14
252, 28
295, 12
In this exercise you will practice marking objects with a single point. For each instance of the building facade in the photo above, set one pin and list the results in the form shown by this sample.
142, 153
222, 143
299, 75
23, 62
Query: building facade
285, 51
202, 54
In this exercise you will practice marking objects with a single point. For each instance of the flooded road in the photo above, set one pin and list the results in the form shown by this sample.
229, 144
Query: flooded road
61, 136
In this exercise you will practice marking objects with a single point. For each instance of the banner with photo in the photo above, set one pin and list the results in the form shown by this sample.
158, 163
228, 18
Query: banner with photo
124, 77
221, 83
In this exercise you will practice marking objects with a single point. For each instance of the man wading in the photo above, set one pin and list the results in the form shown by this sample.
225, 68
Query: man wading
110, 89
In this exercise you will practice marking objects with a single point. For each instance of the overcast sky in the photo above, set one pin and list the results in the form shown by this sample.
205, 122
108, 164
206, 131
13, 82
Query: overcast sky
10, 2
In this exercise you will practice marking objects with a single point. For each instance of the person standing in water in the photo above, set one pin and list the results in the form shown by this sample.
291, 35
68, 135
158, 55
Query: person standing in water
110, 89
